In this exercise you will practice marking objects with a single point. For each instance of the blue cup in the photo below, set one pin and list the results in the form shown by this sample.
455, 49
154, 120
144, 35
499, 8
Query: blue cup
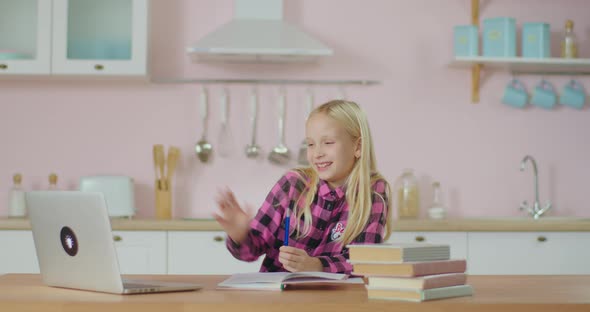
544, 95
515, 94
573, 95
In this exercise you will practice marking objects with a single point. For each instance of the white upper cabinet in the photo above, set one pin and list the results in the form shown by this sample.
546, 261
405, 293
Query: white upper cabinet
74, 37
106, 37
25, 37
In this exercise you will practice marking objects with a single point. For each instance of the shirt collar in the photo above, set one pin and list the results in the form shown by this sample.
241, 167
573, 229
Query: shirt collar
329, 194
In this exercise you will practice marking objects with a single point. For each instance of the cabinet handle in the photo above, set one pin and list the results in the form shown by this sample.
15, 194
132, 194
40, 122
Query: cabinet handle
98, 67
117, 238
420, 238
3, 66
218, 238
542, 238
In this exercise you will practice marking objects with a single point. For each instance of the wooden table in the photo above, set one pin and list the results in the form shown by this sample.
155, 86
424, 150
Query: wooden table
25, 292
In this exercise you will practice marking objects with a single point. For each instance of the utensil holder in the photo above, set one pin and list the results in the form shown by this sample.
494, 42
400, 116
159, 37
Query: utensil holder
163, 205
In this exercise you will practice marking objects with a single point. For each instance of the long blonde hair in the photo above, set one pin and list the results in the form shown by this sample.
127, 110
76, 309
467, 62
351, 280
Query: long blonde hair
360, 180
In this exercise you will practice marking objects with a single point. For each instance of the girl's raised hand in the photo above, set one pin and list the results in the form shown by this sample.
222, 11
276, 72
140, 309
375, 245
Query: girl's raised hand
234, 220
297, 260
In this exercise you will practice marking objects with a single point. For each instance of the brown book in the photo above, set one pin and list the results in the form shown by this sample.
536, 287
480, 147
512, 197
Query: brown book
401, 252
410, 269
420, 282
419, 295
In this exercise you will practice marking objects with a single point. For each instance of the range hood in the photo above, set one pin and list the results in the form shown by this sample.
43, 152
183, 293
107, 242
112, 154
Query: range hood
258, 33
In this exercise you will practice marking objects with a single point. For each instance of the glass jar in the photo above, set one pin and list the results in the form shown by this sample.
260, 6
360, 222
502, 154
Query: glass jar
437, 209
408, 205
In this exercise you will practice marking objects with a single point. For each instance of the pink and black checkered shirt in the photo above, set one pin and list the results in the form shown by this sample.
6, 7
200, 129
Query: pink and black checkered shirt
329, 216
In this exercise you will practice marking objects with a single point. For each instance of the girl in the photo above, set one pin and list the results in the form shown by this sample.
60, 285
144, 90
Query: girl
339, 199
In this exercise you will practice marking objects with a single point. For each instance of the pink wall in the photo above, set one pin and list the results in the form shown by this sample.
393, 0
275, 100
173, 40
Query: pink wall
420, 115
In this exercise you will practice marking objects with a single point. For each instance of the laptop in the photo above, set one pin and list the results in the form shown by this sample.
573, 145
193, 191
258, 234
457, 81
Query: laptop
75, 248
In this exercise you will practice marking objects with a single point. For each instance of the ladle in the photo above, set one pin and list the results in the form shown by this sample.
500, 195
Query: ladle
203, 149
280, 154
252, 149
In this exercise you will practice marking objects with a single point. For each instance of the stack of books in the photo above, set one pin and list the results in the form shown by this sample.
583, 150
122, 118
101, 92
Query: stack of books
411, 272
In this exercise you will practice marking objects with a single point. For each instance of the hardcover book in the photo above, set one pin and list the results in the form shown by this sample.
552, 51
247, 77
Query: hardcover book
402, 252
419, 295
409, 269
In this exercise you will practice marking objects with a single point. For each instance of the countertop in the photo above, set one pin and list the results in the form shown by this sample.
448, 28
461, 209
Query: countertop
494, 224
507, 293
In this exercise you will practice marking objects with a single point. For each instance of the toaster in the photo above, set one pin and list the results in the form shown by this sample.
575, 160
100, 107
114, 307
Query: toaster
117, 191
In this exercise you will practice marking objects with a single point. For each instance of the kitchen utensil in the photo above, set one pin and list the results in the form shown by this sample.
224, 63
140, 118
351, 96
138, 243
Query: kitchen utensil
171, 161
253, 150
225, 137
159, 159
280, 154
302, 158
203, 149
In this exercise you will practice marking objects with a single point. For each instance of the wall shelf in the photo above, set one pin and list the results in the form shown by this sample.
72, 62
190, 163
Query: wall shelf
516, 65
520, 65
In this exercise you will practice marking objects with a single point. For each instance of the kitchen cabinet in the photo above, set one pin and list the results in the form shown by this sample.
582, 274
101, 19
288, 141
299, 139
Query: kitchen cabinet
74, 37
551, 253
457, 240
25, 48
138, 252
192, 252
141, 252
18, 252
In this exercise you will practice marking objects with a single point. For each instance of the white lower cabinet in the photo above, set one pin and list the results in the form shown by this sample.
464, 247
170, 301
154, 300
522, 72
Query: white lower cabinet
141, 252
198, 252
191, 252
529, 253
457, 240
18, 252
138, 252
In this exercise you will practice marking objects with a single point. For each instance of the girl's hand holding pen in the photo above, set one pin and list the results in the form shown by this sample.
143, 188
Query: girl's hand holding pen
297, 260
234, 220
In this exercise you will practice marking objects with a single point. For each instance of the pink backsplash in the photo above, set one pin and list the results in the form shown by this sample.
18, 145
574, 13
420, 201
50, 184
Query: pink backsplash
420, 115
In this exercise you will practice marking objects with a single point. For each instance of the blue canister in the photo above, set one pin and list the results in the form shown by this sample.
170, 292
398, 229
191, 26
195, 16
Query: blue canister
466, 40
499, 37
536, 40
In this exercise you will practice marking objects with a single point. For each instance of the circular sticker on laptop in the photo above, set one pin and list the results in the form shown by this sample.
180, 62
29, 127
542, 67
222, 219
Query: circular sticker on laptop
69, 241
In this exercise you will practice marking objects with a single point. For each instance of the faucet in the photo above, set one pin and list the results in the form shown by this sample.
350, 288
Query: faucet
535, 210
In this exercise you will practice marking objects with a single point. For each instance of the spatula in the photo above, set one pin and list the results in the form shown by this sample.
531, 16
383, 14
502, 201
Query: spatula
171, 161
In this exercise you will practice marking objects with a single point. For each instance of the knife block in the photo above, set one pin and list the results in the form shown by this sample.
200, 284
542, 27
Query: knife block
163, 204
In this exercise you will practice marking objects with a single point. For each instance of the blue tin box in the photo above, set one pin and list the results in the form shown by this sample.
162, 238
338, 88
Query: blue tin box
466, 41
499, 37
536, 40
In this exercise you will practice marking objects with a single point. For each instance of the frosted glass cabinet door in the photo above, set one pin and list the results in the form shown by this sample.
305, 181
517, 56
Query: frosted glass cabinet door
106, 37
25, 37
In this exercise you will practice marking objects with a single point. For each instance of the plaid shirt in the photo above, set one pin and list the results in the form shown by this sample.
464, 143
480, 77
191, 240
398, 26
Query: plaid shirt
329, 217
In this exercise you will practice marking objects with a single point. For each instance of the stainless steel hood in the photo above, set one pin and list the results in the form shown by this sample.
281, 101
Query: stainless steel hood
258, 33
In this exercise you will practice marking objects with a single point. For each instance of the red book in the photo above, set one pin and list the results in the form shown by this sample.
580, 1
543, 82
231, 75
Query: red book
409, 269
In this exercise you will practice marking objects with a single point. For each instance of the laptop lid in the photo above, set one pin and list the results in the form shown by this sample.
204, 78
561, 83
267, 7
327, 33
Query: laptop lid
74, 243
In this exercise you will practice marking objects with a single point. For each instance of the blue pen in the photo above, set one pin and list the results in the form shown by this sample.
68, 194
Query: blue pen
287, 222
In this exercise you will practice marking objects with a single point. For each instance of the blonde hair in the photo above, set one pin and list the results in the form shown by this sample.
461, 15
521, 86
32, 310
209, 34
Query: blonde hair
360, 180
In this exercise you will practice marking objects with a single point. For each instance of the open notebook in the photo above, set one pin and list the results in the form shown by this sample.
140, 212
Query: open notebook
280, 280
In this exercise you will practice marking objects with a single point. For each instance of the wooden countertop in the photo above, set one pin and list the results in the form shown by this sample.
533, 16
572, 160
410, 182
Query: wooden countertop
508, 224
25, 292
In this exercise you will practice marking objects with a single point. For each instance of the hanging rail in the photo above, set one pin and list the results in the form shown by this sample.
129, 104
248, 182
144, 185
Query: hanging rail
267, 81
